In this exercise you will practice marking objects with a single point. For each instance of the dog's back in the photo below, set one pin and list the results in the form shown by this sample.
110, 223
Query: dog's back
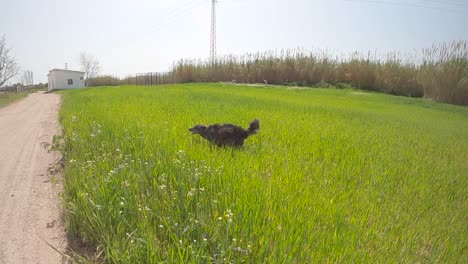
226, 134
229, 135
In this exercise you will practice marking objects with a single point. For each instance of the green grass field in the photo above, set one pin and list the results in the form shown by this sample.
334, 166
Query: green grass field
332, 176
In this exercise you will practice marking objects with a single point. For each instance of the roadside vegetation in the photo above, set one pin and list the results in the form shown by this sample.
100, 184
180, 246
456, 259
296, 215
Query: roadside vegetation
332, 176
7, 98
8, 94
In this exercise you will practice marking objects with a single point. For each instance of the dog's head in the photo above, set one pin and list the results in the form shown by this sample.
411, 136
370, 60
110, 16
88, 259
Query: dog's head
197, 129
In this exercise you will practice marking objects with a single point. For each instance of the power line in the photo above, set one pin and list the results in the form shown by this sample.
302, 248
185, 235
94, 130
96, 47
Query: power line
447, 3
176, 13
190, 4
213, 31
407, 5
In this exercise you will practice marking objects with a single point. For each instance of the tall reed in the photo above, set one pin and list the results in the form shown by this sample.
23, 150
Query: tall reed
439, 72
444, 72
442, 75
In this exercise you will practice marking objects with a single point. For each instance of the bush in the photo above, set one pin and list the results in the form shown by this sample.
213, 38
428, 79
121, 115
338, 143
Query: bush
342, 86
323, 84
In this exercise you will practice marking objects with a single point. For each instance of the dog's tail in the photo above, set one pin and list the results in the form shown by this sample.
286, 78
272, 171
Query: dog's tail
254, 127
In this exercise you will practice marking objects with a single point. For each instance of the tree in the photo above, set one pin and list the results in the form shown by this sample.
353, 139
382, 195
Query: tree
90, 65
28, 78
8, 66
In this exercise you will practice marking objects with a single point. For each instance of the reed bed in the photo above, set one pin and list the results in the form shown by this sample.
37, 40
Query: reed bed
439, 73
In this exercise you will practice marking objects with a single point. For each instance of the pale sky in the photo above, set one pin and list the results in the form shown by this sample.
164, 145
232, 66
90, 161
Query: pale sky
150, 35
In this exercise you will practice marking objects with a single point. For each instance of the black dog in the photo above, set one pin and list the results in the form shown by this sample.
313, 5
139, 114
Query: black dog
227, 134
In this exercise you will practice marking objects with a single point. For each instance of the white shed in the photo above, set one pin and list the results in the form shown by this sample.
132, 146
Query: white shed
65, 79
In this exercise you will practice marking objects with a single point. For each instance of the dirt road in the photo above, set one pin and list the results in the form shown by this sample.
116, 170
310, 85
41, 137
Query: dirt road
29, 202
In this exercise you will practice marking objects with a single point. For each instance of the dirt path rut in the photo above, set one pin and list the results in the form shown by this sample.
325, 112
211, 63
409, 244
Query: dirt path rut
29, 202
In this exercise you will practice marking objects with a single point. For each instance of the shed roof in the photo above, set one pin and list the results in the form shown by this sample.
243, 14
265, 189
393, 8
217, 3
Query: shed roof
65, 71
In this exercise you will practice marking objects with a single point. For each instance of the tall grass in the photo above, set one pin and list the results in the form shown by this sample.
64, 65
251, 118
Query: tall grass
443, 75
332, 176
439, 73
